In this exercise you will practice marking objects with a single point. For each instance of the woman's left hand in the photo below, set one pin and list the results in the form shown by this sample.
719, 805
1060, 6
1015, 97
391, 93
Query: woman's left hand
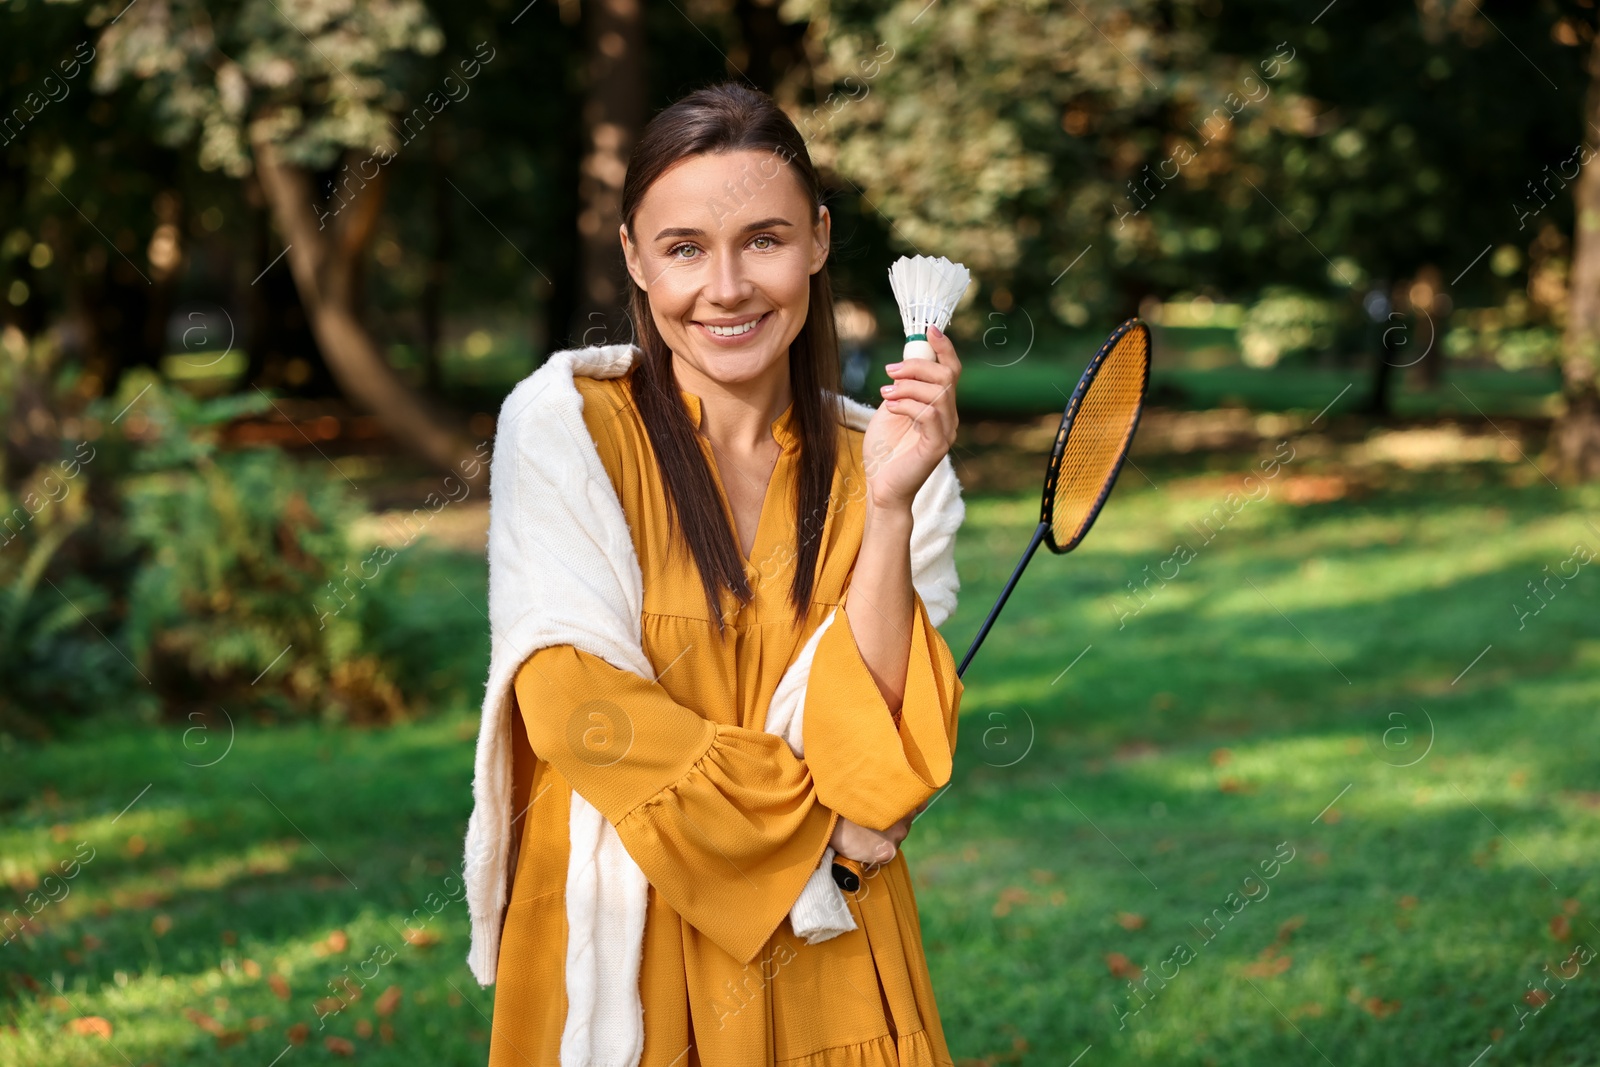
914, 427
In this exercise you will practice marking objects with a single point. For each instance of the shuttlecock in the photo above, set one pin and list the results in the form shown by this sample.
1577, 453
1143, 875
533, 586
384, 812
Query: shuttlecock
927, 290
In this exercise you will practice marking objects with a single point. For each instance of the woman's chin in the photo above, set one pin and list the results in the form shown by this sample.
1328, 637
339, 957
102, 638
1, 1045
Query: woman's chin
734, 363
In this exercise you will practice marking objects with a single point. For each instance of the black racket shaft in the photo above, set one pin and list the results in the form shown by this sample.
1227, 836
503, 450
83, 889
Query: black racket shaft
847, 872
994, 612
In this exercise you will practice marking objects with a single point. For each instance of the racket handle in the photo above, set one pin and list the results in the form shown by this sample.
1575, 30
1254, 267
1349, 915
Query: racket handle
918, 349
994, 613
846, 874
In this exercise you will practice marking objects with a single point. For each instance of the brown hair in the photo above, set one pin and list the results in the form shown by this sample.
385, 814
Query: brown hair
729, 118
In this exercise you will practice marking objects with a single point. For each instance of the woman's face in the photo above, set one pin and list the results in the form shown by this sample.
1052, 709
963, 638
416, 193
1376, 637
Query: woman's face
725, 244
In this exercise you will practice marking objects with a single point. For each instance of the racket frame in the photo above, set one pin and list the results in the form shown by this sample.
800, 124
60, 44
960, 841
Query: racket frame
1068, 420
1043, 532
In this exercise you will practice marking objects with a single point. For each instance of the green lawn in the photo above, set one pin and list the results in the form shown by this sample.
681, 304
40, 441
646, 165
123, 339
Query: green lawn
1340, 691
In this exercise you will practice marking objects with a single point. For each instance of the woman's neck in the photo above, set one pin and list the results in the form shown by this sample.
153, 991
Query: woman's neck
738, 416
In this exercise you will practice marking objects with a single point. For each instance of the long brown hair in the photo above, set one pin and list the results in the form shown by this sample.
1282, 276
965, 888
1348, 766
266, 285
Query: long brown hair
728, 118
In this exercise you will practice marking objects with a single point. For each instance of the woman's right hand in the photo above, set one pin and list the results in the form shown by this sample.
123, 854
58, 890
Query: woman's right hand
857, 842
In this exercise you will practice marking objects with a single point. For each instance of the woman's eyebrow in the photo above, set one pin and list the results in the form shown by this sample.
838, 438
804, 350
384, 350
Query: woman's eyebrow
759, 224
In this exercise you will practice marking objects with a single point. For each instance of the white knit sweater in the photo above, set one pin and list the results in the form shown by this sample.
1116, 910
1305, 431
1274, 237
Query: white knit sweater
563, 570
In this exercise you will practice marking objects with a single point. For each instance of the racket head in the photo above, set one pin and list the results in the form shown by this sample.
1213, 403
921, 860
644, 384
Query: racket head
1097, 428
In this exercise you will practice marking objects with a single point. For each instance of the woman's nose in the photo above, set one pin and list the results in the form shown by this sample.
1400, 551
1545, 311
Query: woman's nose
729, 284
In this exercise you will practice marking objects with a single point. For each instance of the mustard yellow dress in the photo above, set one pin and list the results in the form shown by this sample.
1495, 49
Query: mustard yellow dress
724, 820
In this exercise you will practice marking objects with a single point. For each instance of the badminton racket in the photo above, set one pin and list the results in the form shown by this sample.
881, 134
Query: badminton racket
1096, 429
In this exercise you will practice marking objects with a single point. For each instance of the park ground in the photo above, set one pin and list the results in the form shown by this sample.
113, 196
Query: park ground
1321, 788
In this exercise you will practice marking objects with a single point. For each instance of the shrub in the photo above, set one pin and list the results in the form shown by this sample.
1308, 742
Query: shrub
245, 578
1283, 322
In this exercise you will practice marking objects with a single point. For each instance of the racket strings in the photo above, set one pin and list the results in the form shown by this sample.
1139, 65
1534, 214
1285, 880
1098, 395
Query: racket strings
1098, 438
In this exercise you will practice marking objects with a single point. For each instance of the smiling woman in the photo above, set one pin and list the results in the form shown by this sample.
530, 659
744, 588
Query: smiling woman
726, 427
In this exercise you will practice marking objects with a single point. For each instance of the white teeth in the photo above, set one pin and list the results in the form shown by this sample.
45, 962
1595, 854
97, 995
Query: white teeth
734, 331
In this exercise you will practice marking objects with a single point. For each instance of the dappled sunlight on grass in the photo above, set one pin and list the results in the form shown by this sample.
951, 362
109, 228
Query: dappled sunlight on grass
1122, 787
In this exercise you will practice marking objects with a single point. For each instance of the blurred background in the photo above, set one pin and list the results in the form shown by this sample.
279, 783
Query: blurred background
268, 268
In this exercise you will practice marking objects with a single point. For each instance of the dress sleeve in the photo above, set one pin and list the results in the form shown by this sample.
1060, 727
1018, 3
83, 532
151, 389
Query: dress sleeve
870, 768
723, 821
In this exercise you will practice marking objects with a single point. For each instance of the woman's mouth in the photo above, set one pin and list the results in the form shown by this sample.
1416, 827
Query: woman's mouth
734, 331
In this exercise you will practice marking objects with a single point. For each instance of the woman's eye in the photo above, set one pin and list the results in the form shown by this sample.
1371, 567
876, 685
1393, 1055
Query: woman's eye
675, 251
770, 240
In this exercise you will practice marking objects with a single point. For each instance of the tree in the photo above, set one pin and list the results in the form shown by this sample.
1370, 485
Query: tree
282, 91
1576, 437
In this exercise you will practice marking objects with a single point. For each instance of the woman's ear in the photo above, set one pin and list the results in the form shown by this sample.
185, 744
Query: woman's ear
630, 256
822, 237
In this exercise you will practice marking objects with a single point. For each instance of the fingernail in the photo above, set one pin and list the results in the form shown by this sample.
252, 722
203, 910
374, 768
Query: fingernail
935, 331
892, 366
885, 389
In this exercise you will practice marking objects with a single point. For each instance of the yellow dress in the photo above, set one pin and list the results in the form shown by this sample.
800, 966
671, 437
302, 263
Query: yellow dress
724, 820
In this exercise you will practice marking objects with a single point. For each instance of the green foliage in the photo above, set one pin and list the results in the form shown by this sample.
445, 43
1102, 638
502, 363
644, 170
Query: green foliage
245, 571
318, 77
1283, 322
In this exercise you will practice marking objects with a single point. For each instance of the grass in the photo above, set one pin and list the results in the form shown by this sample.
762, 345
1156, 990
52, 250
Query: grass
1341, 681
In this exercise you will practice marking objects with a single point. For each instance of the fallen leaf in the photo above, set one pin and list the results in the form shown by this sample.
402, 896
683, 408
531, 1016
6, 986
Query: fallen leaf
387, 1001
1379, 1008
1130, 921
161, 924
251, 968
1219, 756
386, 1032
1121, 966
203, 1021
1287, 928
1408, 902
279, 986
421, 938
338, 941
91, 1026
1560, 927
298, 1033
1536, 998
1570, 906
136, 845
363, 1028
340, 1046
1268, 968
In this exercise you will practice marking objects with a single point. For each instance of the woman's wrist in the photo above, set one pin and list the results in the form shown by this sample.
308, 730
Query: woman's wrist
888, 518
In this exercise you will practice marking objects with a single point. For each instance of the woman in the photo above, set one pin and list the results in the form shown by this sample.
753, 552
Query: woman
722, 416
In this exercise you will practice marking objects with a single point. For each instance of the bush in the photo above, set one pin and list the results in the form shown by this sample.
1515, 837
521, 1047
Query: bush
244, 591
189, 577
1284, 322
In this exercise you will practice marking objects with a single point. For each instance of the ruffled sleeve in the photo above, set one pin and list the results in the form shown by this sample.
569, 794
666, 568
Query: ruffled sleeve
869, 768
725, 822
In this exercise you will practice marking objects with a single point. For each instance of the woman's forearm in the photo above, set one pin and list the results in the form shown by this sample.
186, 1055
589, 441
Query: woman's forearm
879, 604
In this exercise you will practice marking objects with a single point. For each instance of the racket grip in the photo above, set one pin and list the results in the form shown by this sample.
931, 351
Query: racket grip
846, 874
919, 349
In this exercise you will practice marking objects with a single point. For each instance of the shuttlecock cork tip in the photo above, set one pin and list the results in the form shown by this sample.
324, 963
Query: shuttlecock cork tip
927, 289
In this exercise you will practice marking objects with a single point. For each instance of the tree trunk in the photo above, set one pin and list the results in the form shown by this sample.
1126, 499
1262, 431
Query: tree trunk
613, 114
1576, 436
324, 262
432, 302
1380, 401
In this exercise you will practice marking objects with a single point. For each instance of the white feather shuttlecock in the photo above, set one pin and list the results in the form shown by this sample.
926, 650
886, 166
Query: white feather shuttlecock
927, 290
